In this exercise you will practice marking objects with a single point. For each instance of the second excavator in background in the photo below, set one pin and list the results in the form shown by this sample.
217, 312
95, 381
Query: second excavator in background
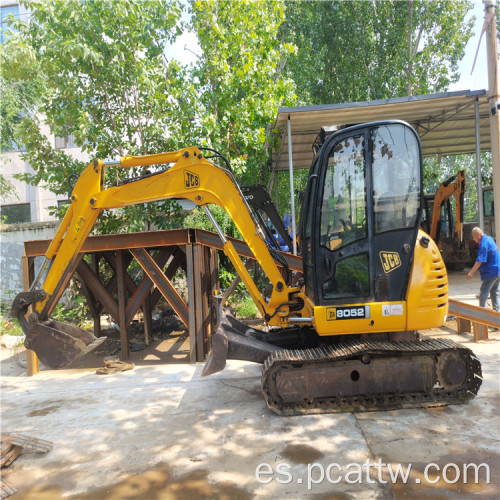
444, 221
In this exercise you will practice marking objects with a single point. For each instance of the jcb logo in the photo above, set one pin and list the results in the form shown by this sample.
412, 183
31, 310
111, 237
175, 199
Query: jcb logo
390, 261
191, 180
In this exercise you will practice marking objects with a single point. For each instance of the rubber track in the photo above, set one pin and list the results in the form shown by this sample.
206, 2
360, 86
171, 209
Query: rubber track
438, 396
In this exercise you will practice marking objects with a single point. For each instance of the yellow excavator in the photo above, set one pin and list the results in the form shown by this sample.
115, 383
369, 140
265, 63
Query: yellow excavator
343, 340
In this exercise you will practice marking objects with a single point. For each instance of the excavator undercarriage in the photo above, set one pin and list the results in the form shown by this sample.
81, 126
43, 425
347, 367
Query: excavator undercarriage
364, 375
349, 374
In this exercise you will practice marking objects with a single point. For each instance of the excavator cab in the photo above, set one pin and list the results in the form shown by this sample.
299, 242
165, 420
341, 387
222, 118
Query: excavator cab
361, 214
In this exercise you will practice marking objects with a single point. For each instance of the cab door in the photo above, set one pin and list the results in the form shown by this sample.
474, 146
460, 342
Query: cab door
361, 215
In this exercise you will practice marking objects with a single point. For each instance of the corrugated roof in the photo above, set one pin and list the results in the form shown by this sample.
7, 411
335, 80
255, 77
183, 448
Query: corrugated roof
445, 123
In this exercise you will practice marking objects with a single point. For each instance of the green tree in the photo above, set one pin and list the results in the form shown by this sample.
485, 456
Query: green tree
107, 84
360, 50
241, 84
241, 79
19, 97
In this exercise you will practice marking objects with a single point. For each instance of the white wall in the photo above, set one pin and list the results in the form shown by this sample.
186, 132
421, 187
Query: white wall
39, 197
12, 240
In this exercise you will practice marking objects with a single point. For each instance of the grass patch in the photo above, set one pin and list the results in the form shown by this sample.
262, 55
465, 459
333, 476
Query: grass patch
8, 324
245, 308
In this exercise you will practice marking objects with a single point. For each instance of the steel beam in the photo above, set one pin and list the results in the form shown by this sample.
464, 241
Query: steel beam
122, 299
114, 242
162, 282
98, 289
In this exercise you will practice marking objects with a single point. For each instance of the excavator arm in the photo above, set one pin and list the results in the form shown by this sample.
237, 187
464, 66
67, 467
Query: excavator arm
190, 176
455, 185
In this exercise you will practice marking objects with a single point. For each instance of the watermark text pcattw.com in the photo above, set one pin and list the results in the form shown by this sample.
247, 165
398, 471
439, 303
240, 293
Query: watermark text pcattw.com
370, 472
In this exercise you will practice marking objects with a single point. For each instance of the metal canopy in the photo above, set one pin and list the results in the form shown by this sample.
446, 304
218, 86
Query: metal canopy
445, 123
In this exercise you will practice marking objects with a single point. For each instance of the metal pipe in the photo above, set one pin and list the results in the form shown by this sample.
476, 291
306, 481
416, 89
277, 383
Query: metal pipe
300, 320
479, 188
40, 271
493, 105
292, 190
214, 222
112, 163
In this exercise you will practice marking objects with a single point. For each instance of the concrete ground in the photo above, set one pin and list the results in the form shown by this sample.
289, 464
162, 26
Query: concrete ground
161, 431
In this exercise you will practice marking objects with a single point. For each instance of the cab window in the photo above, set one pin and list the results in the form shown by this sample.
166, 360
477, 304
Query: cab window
343, 209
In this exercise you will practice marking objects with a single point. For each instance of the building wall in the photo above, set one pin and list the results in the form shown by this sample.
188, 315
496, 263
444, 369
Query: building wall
39, 197
12, 251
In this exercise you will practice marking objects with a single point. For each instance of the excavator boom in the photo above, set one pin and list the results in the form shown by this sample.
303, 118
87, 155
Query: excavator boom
190, 176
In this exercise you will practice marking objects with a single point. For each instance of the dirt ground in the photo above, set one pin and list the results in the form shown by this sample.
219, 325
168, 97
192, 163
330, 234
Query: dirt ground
164, 347
161, 431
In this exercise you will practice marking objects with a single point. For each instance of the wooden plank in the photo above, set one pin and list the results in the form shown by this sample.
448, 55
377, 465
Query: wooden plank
122, 298
33, 365
35, 444
6, 490
162, 282
10, 454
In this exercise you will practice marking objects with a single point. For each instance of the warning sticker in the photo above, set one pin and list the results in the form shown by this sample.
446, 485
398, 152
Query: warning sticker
392, 310
397, 310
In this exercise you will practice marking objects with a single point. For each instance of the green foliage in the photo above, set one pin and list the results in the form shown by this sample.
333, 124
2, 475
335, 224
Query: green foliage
9, 325
245, 307
108, 84
97, 70
78, 314
198, 219
360, 50
21, 91
7, 188
52, 167
240, 78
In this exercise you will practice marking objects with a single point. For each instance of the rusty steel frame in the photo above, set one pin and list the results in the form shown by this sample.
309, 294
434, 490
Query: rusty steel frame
193, 250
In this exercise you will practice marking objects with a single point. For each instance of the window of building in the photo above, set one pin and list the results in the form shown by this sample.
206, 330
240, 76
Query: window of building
16, 214
65, 142
13, 147
5, 12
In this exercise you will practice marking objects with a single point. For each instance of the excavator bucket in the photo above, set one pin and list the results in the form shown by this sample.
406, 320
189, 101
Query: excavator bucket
56, 344
235, 340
